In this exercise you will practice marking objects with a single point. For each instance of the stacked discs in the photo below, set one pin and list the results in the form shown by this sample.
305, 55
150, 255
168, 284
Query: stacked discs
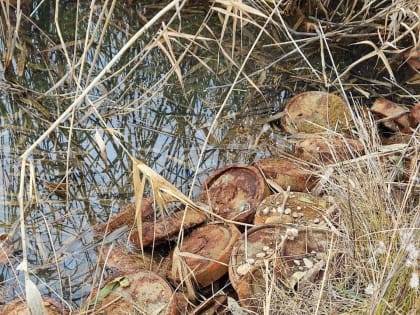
207, 251
234, 191
166, 227
292, 208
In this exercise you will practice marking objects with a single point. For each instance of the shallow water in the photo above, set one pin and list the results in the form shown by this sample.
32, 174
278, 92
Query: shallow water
162, 124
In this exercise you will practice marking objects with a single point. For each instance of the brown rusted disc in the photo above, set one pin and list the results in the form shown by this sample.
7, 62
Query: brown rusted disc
303, 256
327, 150
285, 172
128, 214
299, 209
19, 307
414, 116
212, 242
166, 228
253, 252
397, 138
142, 292
269, 248
120, 259
234, 192
311, 112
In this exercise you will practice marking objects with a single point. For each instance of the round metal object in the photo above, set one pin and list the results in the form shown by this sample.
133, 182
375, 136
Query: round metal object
121, 260
19, 307
269, 250
210, 247
167, 228
292, 208
312, 112
234, 192
328, 150
142, 292
285, 172
127, 215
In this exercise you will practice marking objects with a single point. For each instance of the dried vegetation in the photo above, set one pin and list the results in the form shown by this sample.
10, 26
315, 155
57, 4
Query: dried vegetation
369, 261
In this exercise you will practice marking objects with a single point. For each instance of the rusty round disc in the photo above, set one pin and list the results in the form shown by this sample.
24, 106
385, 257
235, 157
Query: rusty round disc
267, 249
121, 260
212, 242
327, 150
167, 227
19, 307
142, 292
253, 252
311, 112
303, 257
127, 215
299, 208
234, 192
285, 172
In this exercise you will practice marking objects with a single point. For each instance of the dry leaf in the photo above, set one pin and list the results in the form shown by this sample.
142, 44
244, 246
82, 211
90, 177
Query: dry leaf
414, 116
392, 112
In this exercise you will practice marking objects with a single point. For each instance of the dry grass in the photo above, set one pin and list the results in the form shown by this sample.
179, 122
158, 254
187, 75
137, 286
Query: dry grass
351, 47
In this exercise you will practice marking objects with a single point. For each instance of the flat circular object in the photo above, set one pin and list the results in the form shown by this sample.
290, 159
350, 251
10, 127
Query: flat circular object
19, 307
234, 192
270, 250
327, 150
256, 249
303, 257
142, 292
119, 259
212, 242
296, 208
312, 112
285, 172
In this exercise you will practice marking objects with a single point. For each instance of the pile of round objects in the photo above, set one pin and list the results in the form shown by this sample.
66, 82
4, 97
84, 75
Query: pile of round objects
245, 238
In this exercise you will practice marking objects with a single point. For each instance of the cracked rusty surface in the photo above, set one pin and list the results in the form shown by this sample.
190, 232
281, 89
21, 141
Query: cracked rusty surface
166, 228
300, 209
234, 192
313, 111
142, 292
211, 246
285, 172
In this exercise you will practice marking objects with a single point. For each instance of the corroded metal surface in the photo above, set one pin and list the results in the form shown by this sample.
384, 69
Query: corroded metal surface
292, 208
285, 172
281, 250
311, 112
167, 227
212, 242
234, 192
142, 292
328, 150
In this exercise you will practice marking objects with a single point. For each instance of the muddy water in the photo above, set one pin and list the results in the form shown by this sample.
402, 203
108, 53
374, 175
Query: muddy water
156, 120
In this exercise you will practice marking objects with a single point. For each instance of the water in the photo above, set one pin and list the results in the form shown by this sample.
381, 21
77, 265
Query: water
153, 117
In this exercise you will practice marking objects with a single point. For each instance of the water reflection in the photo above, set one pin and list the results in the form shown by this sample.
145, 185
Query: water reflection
155, 118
